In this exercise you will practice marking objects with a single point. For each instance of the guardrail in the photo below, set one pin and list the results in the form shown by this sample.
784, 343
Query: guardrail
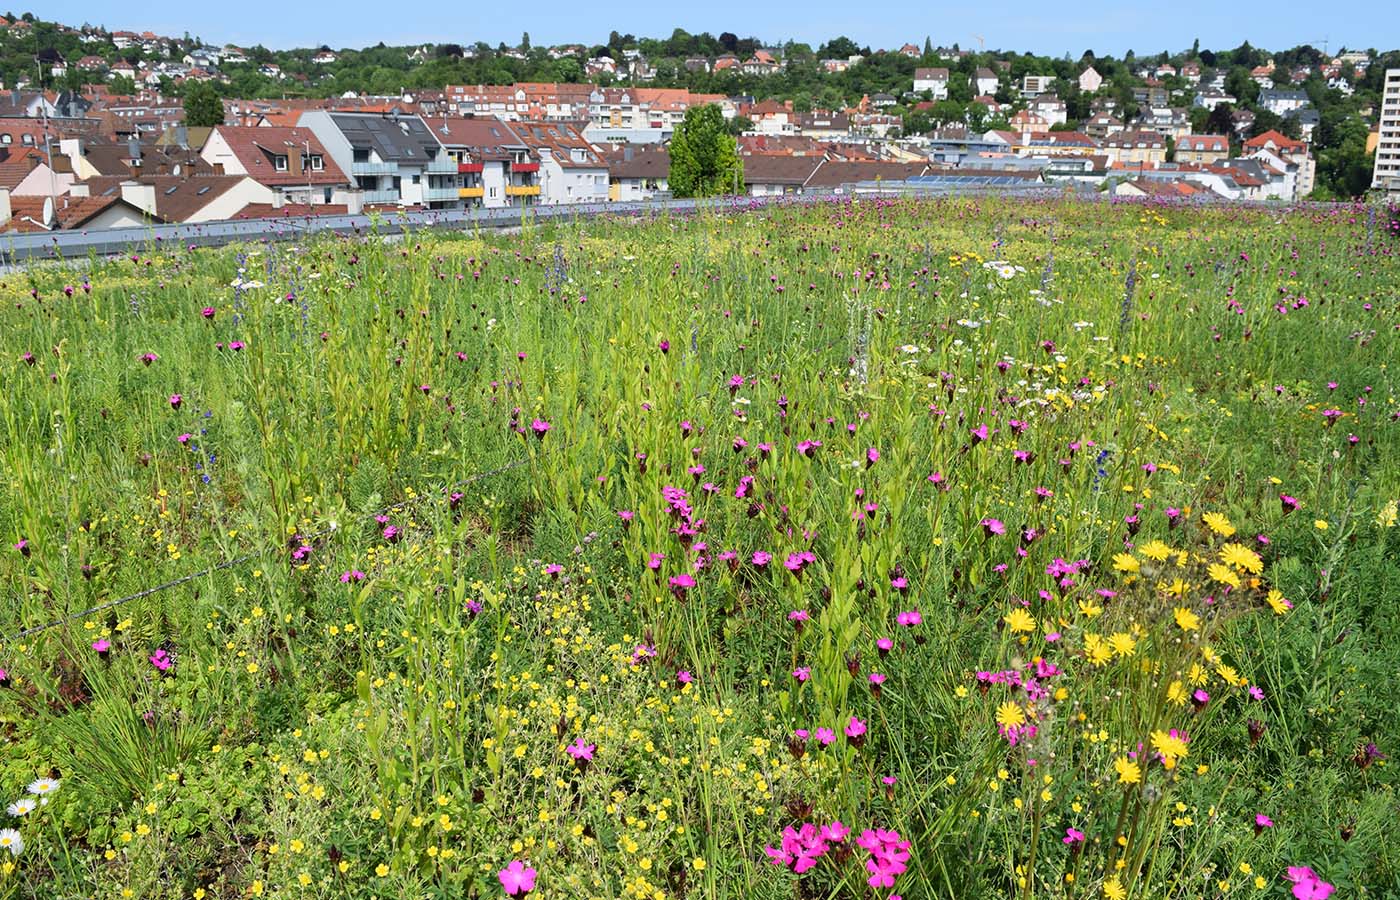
59, 245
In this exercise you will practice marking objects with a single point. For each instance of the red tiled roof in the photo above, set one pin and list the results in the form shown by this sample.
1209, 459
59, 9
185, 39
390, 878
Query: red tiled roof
256, 148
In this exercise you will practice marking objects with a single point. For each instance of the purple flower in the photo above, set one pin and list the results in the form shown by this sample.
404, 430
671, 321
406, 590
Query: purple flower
517, 879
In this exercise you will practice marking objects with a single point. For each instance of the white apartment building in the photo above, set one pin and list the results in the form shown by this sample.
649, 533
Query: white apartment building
1387, 172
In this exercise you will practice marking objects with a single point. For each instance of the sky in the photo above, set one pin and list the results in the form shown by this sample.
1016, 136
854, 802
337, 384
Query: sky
1053, 29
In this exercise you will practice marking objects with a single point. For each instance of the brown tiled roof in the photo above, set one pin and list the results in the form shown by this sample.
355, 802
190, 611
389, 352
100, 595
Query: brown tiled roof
785, 170
834, 174
177, 198
638, 163
257, 147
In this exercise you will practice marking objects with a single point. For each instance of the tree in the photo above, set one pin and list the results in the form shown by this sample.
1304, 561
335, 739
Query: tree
525, 42
704, 159
739, 124
203, 108
1221, 119
729, 41
839, 48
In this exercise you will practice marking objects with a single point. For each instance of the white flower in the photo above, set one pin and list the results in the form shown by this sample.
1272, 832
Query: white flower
43, 786
10, 840
909, 348
21, 806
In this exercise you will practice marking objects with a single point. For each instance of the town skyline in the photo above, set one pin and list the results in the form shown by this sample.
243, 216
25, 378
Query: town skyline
1100, 26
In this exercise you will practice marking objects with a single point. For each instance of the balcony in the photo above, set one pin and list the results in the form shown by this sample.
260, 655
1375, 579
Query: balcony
443, 165
470, 168
432, 194
471, 193
524, 167
374, 168
389, 196
522, 190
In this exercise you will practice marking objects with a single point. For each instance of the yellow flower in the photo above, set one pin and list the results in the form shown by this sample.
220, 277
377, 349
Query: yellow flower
1224, 574
1242, 558
1128, 771
1278, 603
698, 864
1176, 693
1186, 620
1123, 644
1170, 746
1218, 523
1126, 562
1098, 652
1320, 524
381, 870
1018, 620
1155, 550
1113, 889
1009, 715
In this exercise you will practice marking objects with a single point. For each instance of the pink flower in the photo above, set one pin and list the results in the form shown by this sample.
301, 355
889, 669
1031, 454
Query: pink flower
1306, 884
1073, 836
517, 879
855, 728
581, 751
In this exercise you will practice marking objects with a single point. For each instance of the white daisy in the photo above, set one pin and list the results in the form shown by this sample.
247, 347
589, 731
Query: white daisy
42, 787
10, 840
21, 806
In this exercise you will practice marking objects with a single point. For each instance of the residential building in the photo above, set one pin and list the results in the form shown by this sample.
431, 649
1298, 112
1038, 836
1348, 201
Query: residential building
1287, 156
291, 161
1090, 80
984, 81
176, 198
637, 173
393, 159
935, 81
1136, 148
1101, 125
1210, 98
1386, 175
570, 169
1281, 102
496, 168
1033, 86
1202, 148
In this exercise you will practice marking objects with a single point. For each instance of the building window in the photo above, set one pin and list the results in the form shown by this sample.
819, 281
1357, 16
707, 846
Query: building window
279, 163
317, 162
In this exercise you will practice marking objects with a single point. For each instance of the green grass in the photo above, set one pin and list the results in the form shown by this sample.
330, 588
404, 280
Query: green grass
352, 711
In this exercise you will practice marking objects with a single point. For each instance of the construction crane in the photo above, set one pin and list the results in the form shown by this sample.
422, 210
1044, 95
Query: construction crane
981, 42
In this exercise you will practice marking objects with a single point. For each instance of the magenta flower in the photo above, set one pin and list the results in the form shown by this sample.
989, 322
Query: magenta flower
162, 661
909, 618
581, 751
802, 673
993, 527
1073, 836
102, 646
825, 736
1307, 885
352, 575
207, 312
761, 558
539, 427
517, 879
175, 401
979, 434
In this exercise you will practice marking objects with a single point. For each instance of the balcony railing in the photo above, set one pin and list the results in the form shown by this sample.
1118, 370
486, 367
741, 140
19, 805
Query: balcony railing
470, 168
374, 168
470, 193
443, 165
440, 193
524, 167
389, 196
522, 190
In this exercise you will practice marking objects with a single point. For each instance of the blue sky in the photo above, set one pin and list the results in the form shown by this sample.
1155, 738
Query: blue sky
1023, 25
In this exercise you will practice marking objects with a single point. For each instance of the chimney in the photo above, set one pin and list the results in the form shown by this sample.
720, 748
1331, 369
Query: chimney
140, 195
133, 147
79, 189
4, 205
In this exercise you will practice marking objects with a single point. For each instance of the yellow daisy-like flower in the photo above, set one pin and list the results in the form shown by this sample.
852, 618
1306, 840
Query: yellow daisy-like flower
1170, 746
1155, 550
1128, 771
1176, 693
1186, 620
1089, 609
1224, 574
1010, 715
1278, 603
1018, 620
1113, 889
1218, 523
1126, 562
1176, 588
1320, 524
1123, 644
1096, 650
1242, 558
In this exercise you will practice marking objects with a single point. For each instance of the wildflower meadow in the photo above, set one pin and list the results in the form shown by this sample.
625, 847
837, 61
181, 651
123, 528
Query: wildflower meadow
960, 548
